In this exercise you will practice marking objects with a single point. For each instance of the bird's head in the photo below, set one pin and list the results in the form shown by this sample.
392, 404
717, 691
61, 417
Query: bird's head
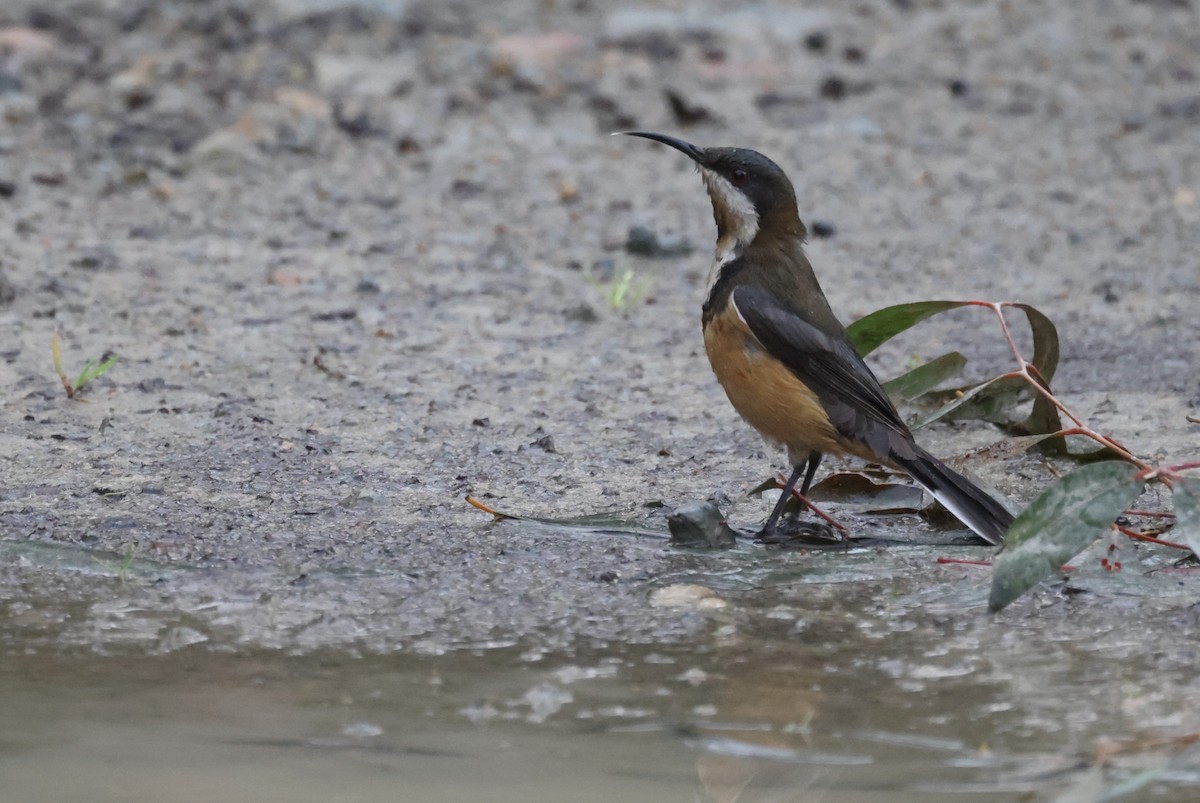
751, 196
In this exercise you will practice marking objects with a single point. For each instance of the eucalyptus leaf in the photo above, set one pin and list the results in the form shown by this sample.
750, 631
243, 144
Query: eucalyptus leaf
1044, 418
925, 377
1186, 493
984, 400
855, 489
769, 484
1060, 524
872, 331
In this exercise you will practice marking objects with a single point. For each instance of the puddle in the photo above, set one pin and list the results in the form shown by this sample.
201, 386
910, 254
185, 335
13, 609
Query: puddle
828, 691
869, 674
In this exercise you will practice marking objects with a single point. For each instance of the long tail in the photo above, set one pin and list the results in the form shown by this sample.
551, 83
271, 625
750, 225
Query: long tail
973, 507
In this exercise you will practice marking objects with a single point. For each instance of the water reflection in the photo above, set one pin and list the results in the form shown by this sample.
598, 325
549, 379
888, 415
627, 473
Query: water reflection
855, 677
813, 718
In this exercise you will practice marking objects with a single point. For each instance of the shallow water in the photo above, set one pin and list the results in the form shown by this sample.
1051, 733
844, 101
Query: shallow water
811, 680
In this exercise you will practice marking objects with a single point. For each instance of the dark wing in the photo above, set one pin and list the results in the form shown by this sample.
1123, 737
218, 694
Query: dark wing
858, 407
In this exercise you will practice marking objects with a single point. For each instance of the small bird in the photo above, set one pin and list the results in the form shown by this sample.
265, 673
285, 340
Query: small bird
783, 357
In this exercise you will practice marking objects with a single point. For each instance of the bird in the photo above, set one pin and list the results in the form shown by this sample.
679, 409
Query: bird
783, 357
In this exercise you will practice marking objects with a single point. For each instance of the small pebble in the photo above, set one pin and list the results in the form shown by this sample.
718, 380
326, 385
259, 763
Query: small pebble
687, 595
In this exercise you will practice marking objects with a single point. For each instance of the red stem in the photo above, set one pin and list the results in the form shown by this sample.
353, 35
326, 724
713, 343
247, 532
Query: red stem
1158, 514
964, 562
1134, 534
1029, 372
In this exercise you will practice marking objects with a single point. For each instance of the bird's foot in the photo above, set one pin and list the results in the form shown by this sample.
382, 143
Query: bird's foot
830, 520
791, 533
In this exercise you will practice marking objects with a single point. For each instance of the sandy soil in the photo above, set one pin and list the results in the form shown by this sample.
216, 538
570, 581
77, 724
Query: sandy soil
353, 262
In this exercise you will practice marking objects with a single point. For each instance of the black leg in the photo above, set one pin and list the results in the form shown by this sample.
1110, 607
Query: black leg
773, 519
806, 469
814, 460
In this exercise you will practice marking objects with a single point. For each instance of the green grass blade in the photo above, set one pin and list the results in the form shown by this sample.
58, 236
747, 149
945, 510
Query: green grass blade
91, 371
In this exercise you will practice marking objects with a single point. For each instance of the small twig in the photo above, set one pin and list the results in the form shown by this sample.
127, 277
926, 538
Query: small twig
1103, 440
1066, 567
62, 375
1105, 752
1137, 536
320, 365
998, 308
1030, 373
964, 562
1083, 429
1158, 514
475, 503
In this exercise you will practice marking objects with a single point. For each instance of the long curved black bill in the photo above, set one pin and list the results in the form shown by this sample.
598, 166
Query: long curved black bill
678, 144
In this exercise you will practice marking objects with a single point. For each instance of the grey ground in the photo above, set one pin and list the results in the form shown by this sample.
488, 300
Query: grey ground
353, 264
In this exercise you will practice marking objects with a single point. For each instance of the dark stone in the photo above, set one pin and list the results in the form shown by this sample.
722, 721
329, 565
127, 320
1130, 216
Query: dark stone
823, 229
817, 41
686, 113
582, 313
647, 243
546, 444
700, 525
99, 258
834, 87
8, 291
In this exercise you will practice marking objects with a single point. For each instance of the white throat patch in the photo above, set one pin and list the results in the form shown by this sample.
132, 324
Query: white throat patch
737, 211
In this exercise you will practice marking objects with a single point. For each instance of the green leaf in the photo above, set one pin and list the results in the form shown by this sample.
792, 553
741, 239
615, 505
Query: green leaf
985, 400
925, 378
856, 489
1060, 524
1186, 493
1044, 418
868, 333
872, 331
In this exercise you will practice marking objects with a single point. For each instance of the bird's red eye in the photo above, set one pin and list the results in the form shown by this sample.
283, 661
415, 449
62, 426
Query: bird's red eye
738, 177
